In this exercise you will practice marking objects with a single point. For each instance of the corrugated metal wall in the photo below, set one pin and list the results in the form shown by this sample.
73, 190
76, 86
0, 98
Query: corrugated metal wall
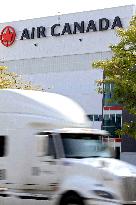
70, 75
56, 63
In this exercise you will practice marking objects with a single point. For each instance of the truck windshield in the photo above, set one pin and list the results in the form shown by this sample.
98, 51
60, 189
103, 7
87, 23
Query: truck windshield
84, 146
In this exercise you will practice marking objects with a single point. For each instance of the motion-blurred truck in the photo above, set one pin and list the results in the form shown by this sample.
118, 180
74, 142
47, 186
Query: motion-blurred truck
49, 152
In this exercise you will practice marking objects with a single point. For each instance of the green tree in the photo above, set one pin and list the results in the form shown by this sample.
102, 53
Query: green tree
14, 81
121, 70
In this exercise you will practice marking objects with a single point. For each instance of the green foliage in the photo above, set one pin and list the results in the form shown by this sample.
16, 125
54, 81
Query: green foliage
128, 129
121, 70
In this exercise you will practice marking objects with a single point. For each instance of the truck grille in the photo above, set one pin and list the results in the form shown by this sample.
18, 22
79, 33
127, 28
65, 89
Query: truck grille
129, 188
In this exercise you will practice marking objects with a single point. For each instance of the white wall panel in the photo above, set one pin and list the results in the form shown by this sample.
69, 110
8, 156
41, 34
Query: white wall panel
78, 85
56, 64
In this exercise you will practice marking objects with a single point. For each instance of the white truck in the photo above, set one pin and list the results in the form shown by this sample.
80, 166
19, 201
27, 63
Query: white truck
49, 153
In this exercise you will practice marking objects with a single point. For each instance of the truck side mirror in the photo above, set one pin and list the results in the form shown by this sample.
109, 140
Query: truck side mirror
42, 145
45, 146
51, 148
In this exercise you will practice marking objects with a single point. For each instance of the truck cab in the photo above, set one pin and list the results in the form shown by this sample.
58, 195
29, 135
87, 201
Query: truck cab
49, 152
81, 168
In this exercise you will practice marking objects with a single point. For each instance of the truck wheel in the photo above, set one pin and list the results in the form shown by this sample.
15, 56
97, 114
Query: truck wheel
72, 200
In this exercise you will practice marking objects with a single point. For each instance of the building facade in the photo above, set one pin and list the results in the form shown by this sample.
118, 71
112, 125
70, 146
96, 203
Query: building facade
57, 53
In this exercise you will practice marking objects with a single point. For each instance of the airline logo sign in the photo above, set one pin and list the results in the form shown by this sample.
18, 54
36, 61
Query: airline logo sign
8, 34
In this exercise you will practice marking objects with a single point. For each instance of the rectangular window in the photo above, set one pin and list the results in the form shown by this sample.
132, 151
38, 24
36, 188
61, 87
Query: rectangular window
112, 123
106, 120
112, 87
112, 119
100, 117
2, 146
96, 117
107, 99
109, 120
118, 121
107, 95
107, 87
90, 117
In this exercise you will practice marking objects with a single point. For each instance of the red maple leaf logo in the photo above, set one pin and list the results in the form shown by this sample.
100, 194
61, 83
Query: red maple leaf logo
7, 36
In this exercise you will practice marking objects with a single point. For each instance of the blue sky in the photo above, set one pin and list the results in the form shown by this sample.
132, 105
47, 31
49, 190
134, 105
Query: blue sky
15, 10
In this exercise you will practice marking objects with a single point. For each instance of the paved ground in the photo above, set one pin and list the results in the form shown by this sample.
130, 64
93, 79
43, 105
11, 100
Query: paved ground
16, 201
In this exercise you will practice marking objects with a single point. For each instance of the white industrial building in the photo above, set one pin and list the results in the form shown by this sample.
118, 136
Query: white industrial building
57, 52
